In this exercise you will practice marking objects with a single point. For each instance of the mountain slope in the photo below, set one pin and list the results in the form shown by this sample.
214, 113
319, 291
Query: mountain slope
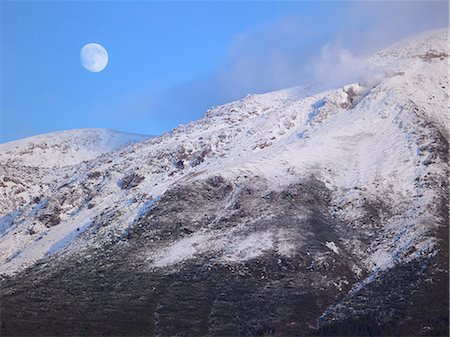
64, 148
31, 166
288, 213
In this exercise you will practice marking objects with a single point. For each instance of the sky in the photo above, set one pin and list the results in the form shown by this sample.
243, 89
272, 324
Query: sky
171, 61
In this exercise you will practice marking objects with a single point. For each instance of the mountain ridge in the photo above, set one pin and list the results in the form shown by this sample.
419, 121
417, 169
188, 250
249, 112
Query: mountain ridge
317, 204
73, 147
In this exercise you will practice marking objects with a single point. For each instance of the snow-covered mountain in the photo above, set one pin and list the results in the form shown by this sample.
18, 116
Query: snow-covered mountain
64, 148
294, 212
31, 167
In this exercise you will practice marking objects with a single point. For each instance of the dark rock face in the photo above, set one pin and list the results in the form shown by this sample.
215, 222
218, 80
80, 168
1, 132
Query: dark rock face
198, 300
410, 300
49, 220
114, 291
130, 181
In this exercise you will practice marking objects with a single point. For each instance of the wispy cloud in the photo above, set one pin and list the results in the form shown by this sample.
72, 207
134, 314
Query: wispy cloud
292, 51
273, 56
337, 66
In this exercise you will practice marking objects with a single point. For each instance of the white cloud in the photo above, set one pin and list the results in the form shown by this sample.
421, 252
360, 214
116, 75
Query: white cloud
338, 66
293, 51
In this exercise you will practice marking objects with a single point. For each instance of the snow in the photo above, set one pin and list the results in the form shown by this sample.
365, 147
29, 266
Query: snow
68, 239
64, 148
186, 249
229, 246
249, 247
371, 140
31, 167
332, 246
315, 110
146, 207
7, 221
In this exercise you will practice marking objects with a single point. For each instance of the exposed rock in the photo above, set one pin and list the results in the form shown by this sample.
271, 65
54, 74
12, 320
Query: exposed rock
130, 181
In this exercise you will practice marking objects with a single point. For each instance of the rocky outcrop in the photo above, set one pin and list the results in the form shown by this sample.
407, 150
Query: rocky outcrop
131, 180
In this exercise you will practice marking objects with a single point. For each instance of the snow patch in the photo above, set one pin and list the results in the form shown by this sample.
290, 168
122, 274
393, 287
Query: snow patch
227, 247
249, 247
332, 246
68, 239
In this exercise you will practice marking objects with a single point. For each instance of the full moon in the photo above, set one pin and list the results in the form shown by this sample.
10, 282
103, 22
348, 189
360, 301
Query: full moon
94, 57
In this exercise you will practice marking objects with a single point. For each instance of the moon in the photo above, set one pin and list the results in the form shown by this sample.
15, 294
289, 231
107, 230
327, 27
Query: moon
94, 57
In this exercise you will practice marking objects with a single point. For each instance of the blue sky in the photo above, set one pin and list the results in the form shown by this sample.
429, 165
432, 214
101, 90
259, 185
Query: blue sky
170, 61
